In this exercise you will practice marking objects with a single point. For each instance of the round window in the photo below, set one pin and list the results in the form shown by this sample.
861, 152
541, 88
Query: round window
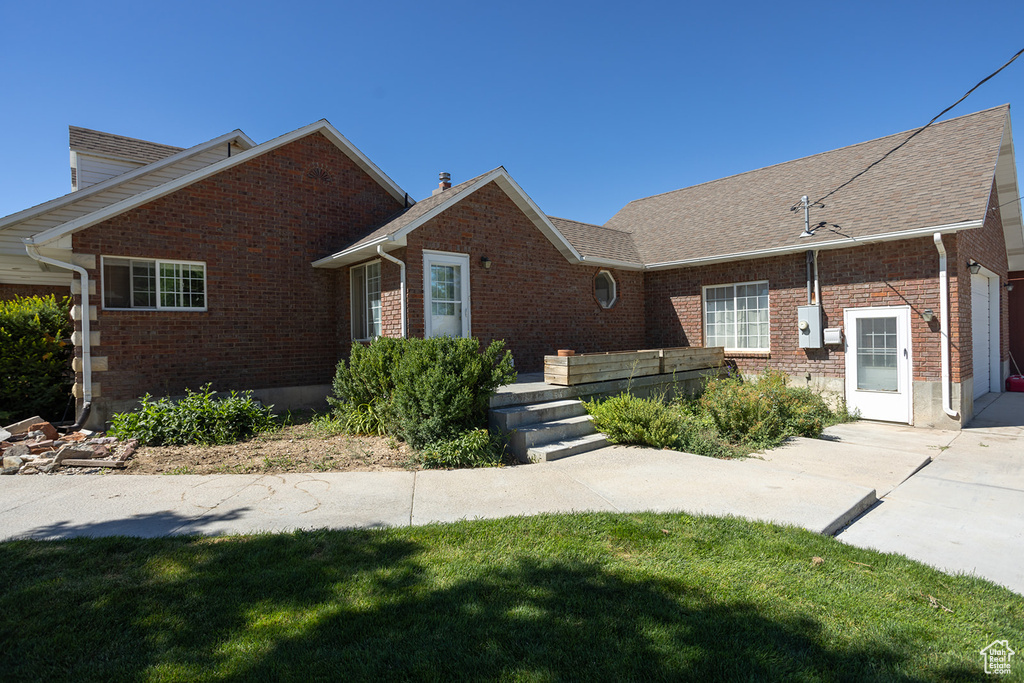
605, 289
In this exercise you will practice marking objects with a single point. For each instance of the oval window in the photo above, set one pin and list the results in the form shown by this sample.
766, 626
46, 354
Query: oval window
605, 289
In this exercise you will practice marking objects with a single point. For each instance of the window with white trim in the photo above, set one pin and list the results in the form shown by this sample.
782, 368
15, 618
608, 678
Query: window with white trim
736, 316
605, 289
153, 284
365, 297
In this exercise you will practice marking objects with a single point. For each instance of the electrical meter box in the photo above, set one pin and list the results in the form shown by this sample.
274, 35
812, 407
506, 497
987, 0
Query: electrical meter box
809, 326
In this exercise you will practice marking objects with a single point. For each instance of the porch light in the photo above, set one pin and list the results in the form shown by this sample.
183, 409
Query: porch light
486, 262
928, 315
974, 266
1009, 286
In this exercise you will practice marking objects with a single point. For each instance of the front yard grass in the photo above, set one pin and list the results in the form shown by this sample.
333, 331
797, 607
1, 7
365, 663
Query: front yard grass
557, 597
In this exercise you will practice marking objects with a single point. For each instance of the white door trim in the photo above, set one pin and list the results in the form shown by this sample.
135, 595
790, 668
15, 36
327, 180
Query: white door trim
995, 370
886, 406
430, 257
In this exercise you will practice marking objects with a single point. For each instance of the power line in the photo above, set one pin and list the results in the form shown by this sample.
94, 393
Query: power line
916, 132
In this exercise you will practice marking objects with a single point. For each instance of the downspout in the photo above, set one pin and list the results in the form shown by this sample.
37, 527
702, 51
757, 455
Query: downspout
401, 266
86, 324
947, 405
817, 287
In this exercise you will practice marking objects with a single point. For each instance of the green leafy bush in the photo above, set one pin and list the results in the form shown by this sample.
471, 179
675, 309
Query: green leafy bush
364, 387
420, 390
35, 357
199, 418
473, 448
731, 418
628, 419
444, 385
764, 412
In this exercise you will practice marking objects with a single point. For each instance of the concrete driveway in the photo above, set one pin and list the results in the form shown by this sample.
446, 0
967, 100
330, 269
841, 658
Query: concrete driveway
963, 512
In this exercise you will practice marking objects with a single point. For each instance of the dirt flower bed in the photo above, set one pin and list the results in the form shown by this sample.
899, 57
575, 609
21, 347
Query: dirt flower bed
296, 448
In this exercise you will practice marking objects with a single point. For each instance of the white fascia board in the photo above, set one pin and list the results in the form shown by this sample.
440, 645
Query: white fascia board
236, 136
611, 263
354, 254
831, 244
120, 207
1008, 192
539, 218
332, 133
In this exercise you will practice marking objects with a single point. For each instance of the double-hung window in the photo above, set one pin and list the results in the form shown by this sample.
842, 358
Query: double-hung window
366, 301
736, 316
153, 284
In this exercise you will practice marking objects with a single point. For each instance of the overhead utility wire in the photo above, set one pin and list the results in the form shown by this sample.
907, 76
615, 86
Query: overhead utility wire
912, 135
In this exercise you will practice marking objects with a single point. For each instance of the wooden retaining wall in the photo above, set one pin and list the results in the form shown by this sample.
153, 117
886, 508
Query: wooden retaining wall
600, 367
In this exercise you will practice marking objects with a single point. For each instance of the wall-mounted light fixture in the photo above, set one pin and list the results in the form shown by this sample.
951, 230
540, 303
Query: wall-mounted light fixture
486, 262
974, 266
928, 315
1009, 286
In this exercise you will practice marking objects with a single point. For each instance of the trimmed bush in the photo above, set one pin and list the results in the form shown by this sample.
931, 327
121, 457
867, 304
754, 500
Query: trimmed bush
199, 418
421, 390
35, 357
474, 448
627, 419
443, 387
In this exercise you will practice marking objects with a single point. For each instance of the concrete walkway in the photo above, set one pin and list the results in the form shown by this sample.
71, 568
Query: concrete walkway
964, 512
809, 483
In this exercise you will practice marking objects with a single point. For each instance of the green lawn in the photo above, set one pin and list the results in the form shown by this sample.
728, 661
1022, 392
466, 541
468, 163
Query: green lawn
569, 597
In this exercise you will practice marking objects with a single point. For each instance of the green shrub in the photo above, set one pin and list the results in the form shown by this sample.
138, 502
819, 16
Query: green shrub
364, 387
443, 386
473, 448
762, 413
628, 419
35, 357
199, 418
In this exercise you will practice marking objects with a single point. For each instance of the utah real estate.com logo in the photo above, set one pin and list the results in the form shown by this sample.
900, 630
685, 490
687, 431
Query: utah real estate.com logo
997, 657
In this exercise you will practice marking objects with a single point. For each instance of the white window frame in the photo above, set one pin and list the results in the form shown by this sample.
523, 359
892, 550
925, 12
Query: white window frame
364, 335
615, 289
157, 263
734, 285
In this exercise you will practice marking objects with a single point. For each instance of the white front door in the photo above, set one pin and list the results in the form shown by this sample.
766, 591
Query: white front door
878, 362
446, 294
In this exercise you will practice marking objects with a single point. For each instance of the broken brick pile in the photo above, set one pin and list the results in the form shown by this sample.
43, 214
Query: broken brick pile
34, 446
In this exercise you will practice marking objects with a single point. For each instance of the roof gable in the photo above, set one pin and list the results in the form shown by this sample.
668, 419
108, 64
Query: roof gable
392, 234
118, 146
940, 179
322, 127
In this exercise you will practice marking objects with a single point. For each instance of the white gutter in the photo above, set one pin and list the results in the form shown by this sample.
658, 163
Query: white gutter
86, 336
831, 244
947, 405
401, 265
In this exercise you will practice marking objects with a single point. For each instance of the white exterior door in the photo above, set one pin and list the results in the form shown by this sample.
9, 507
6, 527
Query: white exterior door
985, 333
446, 294
878, 363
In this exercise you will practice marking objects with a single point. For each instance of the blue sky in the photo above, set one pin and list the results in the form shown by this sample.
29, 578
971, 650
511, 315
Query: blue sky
587, 104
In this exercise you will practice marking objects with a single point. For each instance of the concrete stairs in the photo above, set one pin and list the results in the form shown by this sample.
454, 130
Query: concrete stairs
540, 432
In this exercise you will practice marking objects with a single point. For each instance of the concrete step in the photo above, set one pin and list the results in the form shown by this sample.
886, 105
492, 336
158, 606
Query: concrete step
507, 419
524, 438
565, 448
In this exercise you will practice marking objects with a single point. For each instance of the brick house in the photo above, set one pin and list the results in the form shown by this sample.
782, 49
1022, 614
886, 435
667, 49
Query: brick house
258, 265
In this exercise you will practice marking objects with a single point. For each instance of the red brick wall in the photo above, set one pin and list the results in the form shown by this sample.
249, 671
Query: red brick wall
883, 274
987, 246
272, 319
10, 291
1015, 308
531, 296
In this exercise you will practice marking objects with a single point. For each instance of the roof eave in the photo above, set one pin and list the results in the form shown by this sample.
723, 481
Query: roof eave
830, 244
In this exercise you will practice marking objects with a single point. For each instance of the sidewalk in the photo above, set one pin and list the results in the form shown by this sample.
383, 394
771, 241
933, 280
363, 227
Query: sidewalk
819, 485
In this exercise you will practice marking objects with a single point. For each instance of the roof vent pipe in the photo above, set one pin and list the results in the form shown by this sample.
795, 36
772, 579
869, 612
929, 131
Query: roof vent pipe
947, 399
445, 184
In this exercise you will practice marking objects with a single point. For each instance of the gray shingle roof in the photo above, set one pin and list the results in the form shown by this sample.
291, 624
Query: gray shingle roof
942, 176
143, 151
597, 241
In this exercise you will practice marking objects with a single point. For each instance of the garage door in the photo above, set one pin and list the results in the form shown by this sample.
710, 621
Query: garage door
980, 333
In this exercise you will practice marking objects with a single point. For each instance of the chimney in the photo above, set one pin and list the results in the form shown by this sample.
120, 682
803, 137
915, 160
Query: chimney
445, 184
